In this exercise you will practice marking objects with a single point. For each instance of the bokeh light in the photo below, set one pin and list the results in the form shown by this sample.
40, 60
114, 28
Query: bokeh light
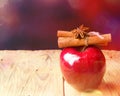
33, 24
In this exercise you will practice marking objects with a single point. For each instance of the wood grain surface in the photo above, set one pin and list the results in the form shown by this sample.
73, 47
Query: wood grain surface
37, 73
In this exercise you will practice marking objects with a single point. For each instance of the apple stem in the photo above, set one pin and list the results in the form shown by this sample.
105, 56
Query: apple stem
83, 49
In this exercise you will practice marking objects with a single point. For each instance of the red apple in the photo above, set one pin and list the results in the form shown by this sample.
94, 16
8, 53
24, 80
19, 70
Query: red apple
84, 70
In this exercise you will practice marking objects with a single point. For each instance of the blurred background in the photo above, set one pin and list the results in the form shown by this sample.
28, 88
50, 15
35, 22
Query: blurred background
33, 24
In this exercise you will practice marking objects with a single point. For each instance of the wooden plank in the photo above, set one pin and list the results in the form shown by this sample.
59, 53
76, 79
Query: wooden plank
30, 73
37, 73
111, 83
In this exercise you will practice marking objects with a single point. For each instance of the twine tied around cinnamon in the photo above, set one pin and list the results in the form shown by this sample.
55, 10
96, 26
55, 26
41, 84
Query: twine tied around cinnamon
83, 33
82, 37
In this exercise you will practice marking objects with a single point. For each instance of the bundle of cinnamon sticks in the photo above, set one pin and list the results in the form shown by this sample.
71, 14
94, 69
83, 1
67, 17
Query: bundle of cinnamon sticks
67, 39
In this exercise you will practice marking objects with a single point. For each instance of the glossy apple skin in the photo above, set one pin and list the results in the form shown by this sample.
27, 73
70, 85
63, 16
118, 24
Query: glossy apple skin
83, 70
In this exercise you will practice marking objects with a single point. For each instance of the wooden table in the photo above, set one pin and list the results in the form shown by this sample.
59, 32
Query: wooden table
37, 73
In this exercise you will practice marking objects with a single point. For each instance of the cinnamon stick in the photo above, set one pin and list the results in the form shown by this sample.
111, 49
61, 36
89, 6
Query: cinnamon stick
66, 39
64, 34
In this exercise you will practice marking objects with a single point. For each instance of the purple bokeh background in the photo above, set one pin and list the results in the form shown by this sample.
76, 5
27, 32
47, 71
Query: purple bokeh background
33, 24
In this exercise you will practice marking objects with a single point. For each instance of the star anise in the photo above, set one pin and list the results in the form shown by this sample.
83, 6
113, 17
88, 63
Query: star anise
80, 32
